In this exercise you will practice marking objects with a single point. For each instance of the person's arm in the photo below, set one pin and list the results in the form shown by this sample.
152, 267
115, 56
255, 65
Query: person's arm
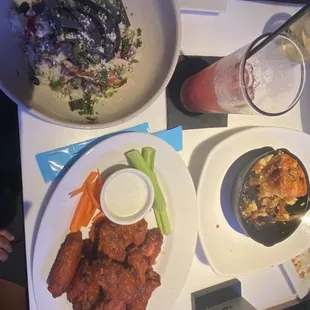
5, 244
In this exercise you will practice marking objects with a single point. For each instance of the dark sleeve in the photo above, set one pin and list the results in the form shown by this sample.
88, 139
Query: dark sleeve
11, 201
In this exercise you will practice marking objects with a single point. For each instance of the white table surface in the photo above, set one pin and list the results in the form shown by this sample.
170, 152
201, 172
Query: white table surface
202, 35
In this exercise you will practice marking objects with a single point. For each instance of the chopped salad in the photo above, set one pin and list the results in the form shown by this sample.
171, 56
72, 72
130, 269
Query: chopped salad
83, 50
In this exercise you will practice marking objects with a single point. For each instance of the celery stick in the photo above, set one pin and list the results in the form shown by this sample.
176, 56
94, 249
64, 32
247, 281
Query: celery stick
165, 223
136, 160
158, 221
148, 153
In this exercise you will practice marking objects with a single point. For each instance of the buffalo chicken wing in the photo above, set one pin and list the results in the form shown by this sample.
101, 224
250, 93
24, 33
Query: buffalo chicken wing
152, 244
84, 290
66, 264
112, 270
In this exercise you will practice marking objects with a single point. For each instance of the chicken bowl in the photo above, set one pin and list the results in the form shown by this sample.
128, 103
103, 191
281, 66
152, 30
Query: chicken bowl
87, 63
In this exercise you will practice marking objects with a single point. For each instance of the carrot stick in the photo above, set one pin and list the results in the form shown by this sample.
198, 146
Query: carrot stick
91, 177
92, 202
97, 192
89, 213
100, 216
100, 181
99, 186
77, 191
88, 202
90, 193
79, 213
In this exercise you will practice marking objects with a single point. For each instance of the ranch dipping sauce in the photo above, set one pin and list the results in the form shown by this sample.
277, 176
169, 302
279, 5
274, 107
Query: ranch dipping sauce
127, 196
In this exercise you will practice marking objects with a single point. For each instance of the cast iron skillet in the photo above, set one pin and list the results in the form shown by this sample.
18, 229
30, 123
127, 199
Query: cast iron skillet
270, 233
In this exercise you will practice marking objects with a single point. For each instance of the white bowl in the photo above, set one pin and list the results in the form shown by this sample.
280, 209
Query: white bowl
161, 35
114, 193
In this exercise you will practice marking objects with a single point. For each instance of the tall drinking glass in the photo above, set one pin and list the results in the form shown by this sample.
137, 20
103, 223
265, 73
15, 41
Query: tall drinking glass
267, 83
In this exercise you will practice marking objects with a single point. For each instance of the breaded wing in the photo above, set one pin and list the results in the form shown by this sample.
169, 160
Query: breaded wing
84, 290
134, 233
66, 264
111, 243
116, 281
151, 247
152, 282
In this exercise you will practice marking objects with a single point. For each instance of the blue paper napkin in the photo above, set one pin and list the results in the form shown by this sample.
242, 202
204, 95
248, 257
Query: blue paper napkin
54, 164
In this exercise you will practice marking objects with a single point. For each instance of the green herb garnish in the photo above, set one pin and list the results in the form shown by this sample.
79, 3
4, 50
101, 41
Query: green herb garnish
83, 60
92, 119
126, 45
109, 92
87, 105
56, 84
76, 50
104, 74
139, 32
79, 56
119, 71
138, 43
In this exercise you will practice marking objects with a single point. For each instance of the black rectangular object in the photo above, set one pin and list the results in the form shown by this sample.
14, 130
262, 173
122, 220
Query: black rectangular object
224, 296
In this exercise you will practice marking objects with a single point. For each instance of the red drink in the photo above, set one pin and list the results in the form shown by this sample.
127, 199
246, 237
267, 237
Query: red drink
198, 92
217, 89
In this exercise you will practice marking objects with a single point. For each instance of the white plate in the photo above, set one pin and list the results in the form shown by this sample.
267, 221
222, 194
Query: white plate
229, 251
301, 286
178, 250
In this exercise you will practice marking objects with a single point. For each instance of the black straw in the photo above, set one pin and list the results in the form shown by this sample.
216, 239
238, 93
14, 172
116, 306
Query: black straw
282, 28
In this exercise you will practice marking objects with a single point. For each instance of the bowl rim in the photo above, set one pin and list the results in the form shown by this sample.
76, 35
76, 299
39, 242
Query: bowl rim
241, 219
147, 105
